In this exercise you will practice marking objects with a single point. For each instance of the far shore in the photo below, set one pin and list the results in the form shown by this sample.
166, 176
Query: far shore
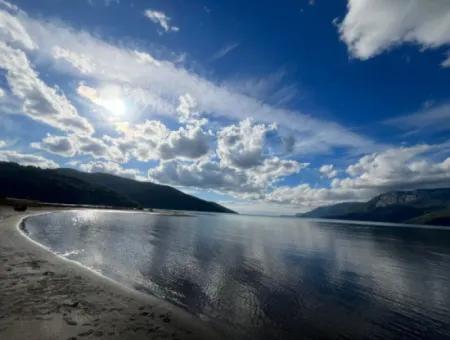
43, 296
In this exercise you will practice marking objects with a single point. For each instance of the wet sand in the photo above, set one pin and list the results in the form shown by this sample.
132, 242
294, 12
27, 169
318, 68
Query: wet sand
43, 296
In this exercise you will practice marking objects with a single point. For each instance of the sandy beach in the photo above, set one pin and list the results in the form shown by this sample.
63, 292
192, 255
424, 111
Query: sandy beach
43, 296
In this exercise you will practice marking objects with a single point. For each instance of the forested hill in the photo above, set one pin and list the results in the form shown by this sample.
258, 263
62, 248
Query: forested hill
75, 187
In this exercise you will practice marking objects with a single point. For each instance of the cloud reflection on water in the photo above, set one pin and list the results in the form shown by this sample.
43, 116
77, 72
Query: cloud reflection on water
269, 278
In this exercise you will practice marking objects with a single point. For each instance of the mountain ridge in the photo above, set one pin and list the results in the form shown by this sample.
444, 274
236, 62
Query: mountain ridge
420, 206
65, 185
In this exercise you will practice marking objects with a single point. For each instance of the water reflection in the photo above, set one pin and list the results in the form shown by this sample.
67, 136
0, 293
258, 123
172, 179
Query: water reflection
269, 278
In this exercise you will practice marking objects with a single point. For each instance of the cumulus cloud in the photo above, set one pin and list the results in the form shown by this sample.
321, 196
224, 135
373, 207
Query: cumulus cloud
186, 110
140, 140
242, 145
191, 142
328, 170
152, 140
203, 174
59, 145
26, 159
305, 197
110, 168
39, 101
397, 168
2, 93
72, 145
161, 19
371, 27
98, 148
2, 143
393, 169
209, 174
240, 166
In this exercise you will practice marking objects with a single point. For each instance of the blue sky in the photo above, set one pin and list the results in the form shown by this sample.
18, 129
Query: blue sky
266, 109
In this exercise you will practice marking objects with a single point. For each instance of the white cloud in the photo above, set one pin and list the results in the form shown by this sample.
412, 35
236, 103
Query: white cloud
2, 143
152, 140
242, 166
306, 197
80, 61
110, 168
39, 101
446, 62
59, 145
145, 58
161, 19
328, 170
26, 159
242, 145
140, 141
155, 88
203, 174
272, 169
98, 148
75, 145
209, 174
398, 168
8, 5
12, 31
186, 109
432, 119
393, 169
2, 93
191, 142
371, 27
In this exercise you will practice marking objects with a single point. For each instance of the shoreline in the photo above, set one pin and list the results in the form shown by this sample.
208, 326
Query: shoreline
46, 296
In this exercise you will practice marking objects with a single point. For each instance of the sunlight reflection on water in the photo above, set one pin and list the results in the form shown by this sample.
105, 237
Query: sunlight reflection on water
266, 278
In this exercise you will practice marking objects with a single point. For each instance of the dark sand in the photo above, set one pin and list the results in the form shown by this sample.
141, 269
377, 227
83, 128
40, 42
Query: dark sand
43, 296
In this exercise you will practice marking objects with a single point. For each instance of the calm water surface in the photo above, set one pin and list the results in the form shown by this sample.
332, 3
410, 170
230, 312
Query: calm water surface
269, 278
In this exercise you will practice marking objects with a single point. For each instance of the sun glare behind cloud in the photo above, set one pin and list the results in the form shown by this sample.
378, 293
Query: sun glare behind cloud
109, 98
114, 105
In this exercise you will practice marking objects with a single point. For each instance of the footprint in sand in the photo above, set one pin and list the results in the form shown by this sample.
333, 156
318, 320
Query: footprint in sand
87, 333
70, 321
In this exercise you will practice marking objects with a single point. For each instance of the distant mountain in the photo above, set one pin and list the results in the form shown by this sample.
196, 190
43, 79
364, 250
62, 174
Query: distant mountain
75, 187
334, 210
424, 206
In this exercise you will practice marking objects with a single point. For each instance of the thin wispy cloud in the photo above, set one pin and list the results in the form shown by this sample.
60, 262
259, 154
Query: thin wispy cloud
431, 120
225, 50
161, 19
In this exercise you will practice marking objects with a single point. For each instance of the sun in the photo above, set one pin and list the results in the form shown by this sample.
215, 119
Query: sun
116, 106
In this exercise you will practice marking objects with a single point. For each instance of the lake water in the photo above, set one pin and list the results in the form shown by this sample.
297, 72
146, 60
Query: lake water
269, 278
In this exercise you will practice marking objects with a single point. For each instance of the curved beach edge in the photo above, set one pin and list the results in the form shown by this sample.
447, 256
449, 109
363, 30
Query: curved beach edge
45, 296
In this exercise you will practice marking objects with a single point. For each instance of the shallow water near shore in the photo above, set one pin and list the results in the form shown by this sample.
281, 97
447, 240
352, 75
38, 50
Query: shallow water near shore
268, 278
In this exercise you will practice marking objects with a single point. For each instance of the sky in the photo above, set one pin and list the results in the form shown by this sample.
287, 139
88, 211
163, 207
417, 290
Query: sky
264, 108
